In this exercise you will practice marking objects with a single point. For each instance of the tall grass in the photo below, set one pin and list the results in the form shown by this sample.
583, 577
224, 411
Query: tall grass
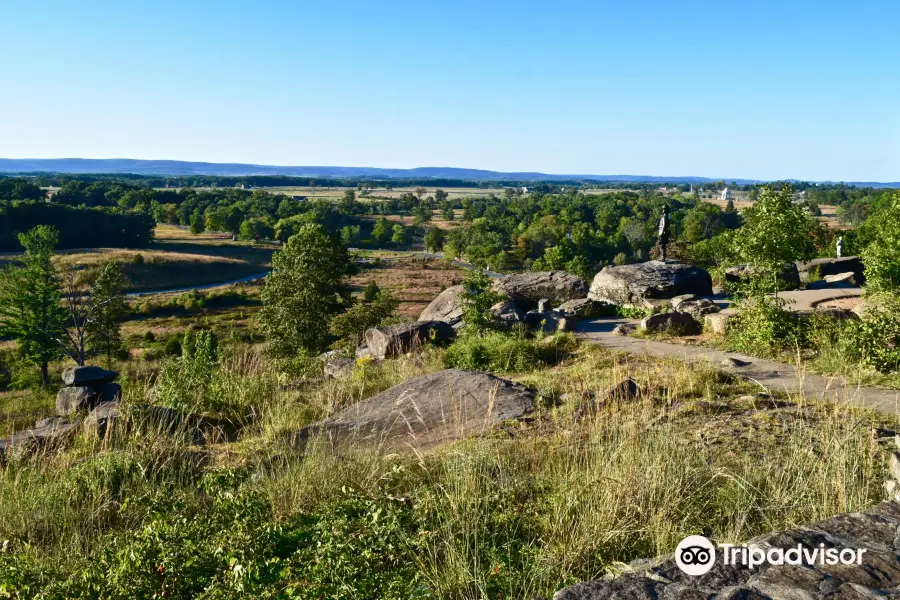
515, 514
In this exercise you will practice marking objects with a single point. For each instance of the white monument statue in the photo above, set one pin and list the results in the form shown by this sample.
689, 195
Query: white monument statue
726, 194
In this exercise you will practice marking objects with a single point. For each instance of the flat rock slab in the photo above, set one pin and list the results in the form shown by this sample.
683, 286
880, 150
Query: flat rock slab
88, 376
424, 412
878, 575
526, 289
632, 285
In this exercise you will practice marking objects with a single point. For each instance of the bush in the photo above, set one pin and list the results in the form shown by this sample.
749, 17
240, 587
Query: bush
879, 334
504, 352
762, 326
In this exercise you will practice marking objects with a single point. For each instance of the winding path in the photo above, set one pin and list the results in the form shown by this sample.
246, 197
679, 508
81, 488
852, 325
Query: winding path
770, 375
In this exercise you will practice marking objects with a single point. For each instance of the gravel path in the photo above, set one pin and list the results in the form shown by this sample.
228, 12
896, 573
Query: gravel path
771, 376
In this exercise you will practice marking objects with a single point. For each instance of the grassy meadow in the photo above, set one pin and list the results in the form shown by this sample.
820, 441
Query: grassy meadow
534, 505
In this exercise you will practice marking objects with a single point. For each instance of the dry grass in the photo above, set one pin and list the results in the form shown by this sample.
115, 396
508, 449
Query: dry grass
415, 282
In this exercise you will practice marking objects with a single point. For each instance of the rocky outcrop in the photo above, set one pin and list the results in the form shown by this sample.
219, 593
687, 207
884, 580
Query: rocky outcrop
50, 433
424, 412
631, 285
788, 279
86, 387
446, 307
832, 266
877, 576
526, 289
675, 323
393, 340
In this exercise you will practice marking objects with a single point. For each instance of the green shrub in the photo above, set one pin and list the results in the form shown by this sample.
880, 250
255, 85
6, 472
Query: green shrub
762, 326
505, 352
879, 334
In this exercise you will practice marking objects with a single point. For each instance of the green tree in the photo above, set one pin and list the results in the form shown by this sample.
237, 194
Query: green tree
702, 222
306, 289
256, 228
197, 222
381, 232
399, 236
30, 310
478, 297
434, 239
104, 330
882, 256
776, 232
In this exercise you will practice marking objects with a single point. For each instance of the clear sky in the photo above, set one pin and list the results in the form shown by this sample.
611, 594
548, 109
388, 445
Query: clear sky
755, 89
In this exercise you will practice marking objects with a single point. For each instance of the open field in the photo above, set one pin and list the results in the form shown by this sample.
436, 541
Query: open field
176, 259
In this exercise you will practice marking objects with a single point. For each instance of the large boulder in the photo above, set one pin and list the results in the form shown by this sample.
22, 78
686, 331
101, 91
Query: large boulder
88, 375
424, 412
832, 266
526, 289
446, 307
632, 285
788, 279
674, 322
393, 340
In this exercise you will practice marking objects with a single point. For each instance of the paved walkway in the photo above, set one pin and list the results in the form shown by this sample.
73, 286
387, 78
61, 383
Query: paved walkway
771, 376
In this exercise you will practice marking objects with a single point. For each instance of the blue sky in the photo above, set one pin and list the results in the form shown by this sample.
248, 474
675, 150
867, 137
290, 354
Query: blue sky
754, 89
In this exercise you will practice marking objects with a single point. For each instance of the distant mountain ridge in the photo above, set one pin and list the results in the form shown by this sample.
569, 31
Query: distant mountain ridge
181, 168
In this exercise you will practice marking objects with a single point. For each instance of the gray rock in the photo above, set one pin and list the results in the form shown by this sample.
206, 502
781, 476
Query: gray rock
339, 367
849, 279
446, 307
584, 308
630, 285
716, 322
789, 278
102, 417
624, 329
393, 340
363, 352
697, 308
679, 300
70, 400
833, 266
526, 289
564, 321
78, 376
506, 314
877, 577
673, 322
424, 412
50, 433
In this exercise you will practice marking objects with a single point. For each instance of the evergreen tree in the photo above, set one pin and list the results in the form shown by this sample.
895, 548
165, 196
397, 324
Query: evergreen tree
306, 289
30, 310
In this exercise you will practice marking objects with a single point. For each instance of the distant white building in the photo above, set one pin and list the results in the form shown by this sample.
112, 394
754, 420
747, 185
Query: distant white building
726, 194
524, 190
